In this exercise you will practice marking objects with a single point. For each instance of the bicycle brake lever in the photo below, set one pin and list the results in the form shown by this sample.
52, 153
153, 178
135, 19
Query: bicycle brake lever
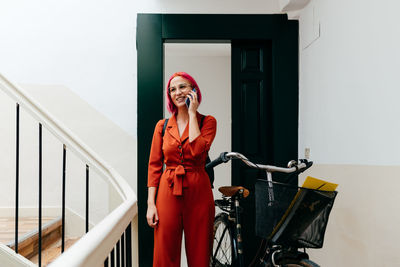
291, 163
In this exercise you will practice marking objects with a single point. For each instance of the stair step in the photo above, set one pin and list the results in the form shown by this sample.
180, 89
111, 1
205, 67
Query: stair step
25, 226
50, 253
28, 245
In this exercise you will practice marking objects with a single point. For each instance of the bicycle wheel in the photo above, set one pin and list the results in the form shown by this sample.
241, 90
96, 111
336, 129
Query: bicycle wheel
298, 263
223, 254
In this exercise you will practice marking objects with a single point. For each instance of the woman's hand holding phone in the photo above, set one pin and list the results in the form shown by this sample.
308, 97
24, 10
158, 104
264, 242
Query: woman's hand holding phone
188, 98
191, 101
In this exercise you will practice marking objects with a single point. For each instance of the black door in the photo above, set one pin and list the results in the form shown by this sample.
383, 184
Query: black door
252, 124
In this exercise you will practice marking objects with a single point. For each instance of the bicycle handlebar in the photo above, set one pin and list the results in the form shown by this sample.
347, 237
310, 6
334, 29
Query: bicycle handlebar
224, 157
221, 159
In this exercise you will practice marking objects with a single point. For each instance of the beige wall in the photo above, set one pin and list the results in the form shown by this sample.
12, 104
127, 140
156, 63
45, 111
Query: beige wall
349, 61
363, 228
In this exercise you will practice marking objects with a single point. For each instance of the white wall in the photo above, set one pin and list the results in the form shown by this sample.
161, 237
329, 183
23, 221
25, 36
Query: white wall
349, 61
349, 83
89, 46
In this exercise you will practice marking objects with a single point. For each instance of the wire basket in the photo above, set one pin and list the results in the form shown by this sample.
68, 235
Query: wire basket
296, 216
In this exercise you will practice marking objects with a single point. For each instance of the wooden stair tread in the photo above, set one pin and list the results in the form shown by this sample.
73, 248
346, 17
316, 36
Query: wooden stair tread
50, 253
28, 238
25, 225
28, 245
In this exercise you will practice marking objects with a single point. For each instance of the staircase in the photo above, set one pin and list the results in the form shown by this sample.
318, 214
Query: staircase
28, 239
109, 239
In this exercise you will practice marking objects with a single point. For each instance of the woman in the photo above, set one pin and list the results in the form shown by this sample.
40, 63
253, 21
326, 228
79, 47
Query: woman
184, 197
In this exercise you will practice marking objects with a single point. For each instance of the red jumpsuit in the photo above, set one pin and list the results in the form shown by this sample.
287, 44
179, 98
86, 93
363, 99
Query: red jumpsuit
184, 196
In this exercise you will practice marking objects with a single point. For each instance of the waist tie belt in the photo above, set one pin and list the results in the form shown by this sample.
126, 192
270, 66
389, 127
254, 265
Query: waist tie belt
177, 180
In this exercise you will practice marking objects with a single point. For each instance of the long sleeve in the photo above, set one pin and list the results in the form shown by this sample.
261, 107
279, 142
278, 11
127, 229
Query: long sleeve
156, 157
203, 142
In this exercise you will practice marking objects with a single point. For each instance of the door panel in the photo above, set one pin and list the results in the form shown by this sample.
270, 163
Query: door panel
251, 94
252, 60
252, 124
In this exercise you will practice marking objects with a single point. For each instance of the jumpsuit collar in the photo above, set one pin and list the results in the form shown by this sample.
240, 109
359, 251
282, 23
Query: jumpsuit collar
173, 128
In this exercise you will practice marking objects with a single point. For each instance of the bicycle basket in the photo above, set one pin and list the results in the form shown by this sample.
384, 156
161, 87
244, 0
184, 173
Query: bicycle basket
269, 212
304, 222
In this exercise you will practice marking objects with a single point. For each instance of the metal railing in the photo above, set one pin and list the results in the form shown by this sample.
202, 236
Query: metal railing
108, 242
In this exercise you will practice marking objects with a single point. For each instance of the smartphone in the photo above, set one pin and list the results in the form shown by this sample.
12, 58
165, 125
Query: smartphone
188, 99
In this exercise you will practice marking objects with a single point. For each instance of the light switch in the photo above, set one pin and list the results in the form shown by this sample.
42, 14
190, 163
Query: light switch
307, 153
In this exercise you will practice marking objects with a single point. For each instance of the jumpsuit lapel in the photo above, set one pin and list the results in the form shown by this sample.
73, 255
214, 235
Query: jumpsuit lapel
185, 134
173, 128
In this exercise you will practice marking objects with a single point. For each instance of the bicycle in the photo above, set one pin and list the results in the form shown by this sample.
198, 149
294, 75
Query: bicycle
282, 237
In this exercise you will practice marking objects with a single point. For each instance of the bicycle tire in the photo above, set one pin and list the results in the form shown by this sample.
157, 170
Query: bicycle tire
298, 263
286, 262
223, 253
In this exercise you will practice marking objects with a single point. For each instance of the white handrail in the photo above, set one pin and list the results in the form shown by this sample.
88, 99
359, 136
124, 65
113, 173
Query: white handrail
92, 248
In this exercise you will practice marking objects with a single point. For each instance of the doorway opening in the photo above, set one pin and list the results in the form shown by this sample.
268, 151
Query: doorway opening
210, 65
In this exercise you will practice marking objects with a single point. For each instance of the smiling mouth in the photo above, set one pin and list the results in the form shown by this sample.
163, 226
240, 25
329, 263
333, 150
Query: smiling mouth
179, 99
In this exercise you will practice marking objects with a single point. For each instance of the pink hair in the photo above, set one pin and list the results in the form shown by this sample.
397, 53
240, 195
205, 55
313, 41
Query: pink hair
170, 105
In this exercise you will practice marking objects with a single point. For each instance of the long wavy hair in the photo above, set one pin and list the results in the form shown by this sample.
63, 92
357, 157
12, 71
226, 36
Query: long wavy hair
170, 105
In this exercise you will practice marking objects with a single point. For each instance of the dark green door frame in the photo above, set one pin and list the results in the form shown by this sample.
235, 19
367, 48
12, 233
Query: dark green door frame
155, 29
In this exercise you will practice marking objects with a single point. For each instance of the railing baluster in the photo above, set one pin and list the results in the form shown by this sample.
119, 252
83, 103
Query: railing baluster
123, 250
87, 198
16, 179
118, 253
63, 200
112, 257
128, 234
40, 195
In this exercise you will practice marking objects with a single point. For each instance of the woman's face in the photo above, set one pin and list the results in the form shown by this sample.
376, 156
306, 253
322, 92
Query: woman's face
179, 88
